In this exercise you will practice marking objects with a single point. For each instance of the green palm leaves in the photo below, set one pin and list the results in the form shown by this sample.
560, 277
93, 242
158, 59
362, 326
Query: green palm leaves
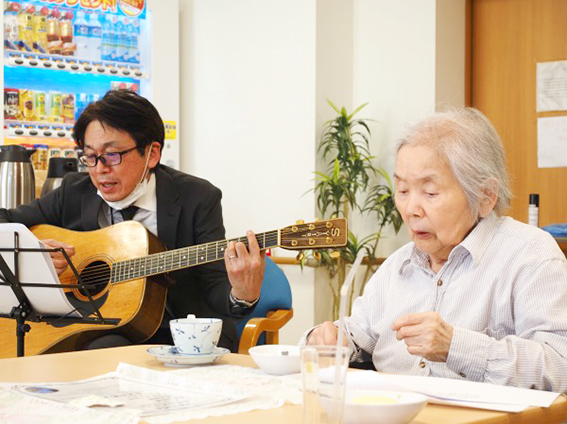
347, 185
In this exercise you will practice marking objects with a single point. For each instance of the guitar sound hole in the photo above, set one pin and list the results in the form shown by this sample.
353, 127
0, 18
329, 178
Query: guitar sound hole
96, 275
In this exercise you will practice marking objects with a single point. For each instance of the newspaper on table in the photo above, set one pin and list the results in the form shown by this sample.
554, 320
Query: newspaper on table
18, 408
162, 397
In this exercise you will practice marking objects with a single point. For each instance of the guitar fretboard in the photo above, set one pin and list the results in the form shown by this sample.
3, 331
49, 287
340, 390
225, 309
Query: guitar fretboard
184, 257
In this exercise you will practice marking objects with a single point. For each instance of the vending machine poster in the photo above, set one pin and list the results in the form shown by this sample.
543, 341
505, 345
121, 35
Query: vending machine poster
170, 130
133, 7
136, 8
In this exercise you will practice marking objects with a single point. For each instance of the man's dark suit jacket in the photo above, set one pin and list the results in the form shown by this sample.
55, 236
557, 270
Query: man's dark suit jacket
188, 213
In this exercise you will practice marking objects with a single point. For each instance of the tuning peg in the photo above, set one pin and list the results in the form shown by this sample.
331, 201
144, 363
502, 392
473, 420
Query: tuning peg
317, 255
300, 256
317, 219
300, 221
335, 254
334, 216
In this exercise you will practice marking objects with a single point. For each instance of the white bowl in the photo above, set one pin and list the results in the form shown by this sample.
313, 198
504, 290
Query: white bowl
276, 359
381, 407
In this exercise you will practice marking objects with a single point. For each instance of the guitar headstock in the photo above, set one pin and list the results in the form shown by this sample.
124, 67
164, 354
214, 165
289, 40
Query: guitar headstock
315, 235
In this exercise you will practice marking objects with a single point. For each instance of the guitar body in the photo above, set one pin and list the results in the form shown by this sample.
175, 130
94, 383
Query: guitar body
139, 304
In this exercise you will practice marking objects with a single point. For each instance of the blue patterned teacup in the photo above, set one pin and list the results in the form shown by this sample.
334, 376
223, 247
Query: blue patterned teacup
195, 336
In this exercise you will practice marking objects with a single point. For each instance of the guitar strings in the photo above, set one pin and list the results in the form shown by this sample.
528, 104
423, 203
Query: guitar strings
169, 259
103, 274
169, 256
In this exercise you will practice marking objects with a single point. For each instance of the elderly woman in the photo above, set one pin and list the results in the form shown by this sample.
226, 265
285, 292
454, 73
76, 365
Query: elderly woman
475, 295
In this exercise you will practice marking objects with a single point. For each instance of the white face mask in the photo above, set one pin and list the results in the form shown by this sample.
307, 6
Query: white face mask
138, 191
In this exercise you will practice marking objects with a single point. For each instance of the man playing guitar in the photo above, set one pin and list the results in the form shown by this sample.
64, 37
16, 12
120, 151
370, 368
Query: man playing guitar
120, 139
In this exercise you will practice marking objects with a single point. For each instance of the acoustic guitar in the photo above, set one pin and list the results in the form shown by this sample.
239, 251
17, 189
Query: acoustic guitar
114, 265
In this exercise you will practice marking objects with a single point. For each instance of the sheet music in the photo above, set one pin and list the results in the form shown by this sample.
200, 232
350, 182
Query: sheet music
34, 267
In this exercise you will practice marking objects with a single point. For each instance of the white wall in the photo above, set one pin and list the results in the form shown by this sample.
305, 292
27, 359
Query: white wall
248, 114
248, 107
255, 76
334, 83
165, 67
408, 58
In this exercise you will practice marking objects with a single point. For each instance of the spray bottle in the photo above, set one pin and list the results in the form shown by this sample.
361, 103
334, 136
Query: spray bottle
533, 210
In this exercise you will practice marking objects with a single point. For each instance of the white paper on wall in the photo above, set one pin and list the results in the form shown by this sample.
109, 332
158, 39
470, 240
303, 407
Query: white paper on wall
552, 142
551, 87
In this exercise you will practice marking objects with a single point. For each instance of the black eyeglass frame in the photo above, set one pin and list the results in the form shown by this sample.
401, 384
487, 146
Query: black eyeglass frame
83, 157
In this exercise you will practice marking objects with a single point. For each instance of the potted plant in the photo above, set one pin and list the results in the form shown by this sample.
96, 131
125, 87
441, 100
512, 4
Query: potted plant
348, 185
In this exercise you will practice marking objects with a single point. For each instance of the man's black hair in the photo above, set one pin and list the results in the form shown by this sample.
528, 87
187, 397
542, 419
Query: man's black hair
126, 111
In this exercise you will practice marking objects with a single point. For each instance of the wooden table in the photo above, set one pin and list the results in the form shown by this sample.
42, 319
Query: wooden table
79, 365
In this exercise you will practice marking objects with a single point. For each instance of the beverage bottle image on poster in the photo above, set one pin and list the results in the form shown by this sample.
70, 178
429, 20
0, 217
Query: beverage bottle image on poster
108, 48
66, 34
95, 37
81, 35
39, 23
54, 43
121, 47
11, 28
25, 27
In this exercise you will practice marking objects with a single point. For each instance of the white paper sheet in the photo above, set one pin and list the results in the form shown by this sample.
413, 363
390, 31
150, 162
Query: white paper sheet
17, 408
551, 86
178, 395
34, 267
137, 397
552, 142
455, 392
262, 391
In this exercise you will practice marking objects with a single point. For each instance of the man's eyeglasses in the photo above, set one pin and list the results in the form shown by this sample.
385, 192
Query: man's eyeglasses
107, 159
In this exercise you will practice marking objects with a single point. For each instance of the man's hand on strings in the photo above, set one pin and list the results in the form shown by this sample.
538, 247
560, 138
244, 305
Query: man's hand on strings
245, 268
58, 259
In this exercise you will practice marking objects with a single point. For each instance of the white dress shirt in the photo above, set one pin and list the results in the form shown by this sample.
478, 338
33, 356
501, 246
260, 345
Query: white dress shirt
146, 213
504, 291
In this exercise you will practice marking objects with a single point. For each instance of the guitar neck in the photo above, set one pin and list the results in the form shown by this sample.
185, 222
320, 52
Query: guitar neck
185, 257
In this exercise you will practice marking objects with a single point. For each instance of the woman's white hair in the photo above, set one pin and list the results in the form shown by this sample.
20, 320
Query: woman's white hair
470, 145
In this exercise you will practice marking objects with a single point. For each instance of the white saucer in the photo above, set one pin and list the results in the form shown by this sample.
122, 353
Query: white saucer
170, 355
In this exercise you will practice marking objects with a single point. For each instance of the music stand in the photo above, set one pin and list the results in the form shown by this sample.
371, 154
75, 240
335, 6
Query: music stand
25, 311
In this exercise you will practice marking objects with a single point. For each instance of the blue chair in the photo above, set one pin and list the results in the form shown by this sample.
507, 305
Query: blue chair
272, 312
